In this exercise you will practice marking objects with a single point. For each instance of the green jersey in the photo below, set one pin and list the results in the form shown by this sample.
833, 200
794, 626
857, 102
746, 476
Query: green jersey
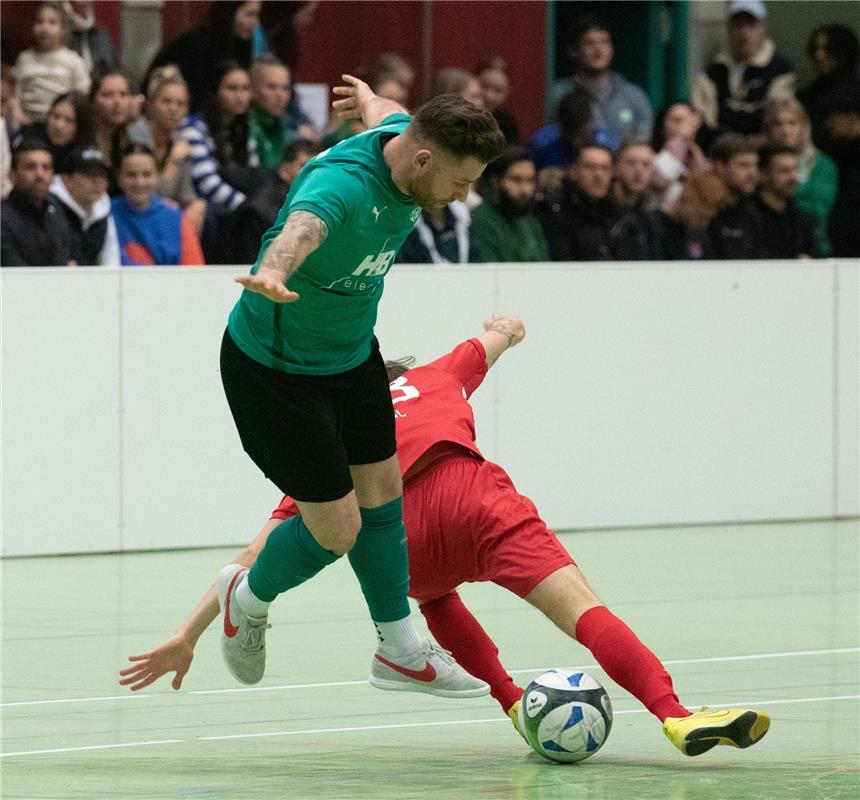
330, 328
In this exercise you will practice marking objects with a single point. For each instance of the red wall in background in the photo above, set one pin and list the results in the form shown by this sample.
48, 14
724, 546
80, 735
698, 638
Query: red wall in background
464, 33
349, 34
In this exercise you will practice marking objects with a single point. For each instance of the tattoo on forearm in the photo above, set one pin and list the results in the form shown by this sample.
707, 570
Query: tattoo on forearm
303, 233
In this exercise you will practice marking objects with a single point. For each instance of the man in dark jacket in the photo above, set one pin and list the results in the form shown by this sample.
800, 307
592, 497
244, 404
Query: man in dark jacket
33, 231
734, 232
786, 232
578, 217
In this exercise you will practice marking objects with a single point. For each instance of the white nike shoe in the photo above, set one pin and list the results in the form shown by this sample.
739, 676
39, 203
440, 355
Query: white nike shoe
440, 674
243, 638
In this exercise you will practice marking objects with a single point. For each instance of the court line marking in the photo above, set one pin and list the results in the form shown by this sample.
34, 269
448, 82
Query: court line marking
334, 684
394, 726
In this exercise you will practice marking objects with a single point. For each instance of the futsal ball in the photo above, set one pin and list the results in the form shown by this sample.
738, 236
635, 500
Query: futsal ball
565, 715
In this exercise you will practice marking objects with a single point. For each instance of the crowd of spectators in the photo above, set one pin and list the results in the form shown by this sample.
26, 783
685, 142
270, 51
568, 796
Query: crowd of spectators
195, 168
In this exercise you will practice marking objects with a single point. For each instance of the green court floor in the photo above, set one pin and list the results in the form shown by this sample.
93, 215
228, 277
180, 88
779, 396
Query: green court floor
761, 615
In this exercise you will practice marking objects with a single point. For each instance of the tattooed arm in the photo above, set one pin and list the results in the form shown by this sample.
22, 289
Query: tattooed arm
302, 233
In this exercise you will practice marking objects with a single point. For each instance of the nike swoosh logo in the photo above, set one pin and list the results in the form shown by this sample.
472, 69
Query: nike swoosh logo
230, 630
426, 675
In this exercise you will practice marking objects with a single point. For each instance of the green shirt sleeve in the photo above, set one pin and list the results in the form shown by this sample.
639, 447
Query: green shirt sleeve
330, 192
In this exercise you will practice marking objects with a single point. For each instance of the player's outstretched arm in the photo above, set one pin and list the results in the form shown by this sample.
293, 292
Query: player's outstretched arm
359, 102
302, 233
501, 332
176, 654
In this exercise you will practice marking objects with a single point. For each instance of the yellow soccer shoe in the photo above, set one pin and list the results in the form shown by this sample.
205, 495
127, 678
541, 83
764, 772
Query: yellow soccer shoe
698, 733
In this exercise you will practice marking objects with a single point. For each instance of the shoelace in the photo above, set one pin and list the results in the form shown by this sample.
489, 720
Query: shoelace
446, 656
255, 641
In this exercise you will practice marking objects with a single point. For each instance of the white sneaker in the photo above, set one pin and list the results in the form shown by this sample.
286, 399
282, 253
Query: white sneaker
243, 638
441, 675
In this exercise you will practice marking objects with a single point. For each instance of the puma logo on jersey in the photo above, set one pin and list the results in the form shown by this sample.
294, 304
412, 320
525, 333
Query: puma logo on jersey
377, 212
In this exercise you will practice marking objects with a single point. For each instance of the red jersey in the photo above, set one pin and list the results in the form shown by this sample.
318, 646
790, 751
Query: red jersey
431, 407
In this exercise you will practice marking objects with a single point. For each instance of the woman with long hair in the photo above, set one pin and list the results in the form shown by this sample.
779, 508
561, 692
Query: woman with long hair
67, 126
165, 110
787, 123
227, 34
112, 108
223, 154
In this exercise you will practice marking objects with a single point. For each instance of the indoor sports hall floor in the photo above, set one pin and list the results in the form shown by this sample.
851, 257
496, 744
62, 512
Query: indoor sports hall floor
764, 615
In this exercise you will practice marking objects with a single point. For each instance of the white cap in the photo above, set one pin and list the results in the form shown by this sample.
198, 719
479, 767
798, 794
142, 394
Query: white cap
754, 8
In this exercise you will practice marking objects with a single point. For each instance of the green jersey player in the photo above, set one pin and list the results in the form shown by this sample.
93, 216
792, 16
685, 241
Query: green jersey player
307, 386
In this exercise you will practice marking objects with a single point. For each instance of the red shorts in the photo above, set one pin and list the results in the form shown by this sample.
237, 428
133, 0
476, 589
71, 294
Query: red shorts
485, 532
465, 521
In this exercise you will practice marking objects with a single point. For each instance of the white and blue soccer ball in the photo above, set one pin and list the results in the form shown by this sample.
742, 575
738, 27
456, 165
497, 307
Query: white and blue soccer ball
565, 715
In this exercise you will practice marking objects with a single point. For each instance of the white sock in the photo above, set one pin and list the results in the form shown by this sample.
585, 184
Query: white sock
400, 640
249, 602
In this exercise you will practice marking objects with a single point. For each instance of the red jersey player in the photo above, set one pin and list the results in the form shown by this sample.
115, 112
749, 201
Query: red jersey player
465, 521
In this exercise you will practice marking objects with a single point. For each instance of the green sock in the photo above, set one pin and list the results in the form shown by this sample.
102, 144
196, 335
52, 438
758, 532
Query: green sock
290, 557
380, 561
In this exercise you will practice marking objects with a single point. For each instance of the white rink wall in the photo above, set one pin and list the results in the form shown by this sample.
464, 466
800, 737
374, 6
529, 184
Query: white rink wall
644, 394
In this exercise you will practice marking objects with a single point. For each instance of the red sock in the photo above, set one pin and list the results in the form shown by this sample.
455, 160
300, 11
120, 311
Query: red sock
628, 662
454, 627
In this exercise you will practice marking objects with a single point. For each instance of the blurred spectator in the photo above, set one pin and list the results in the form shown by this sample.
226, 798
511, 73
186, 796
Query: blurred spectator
223, 154
734, 231
441, 236
678, 231
842, 120
88, 39
786, 124
10, 104
81, 192
578, 218
150, 231
620, 108
678, 155
634, 169
5, 161
33, 230
270, 89
557, 144
495, 84
504, 226
453, 80
226, 36
49, 68
69, 125
164, 112
398, 69
111, 105
241, 232
282, 21
731, 92
785, 231
833, 51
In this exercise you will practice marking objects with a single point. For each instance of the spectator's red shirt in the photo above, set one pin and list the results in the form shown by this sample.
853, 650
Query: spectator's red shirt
431, 408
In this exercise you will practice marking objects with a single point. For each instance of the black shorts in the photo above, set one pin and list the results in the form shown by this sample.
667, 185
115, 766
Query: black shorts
304, 431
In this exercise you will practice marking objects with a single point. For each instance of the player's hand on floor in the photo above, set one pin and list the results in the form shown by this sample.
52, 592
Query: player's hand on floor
269, 283
355, 94
173, 656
